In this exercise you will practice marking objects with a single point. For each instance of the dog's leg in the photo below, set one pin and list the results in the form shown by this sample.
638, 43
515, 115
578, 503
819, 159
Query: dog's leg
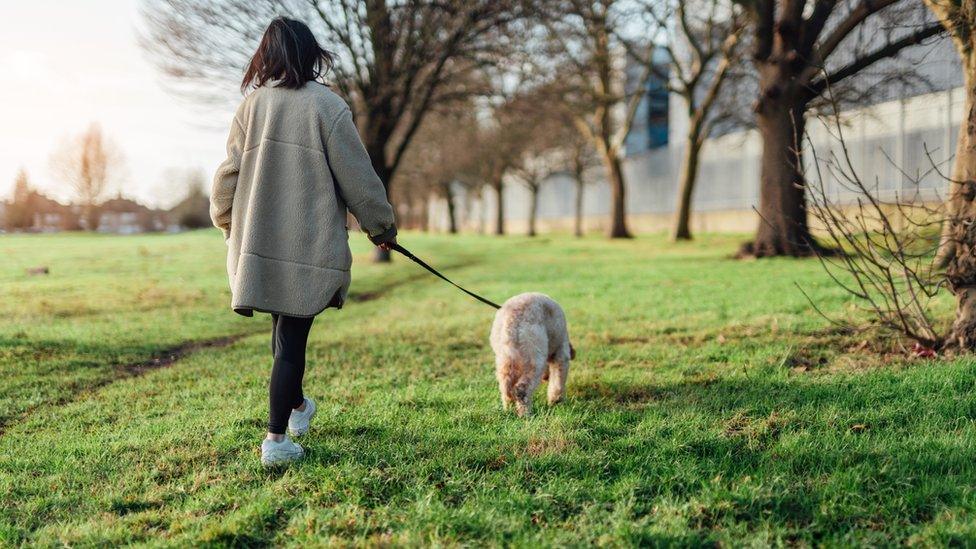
558, 372
523, 398
505, 376
524, 387
506, 392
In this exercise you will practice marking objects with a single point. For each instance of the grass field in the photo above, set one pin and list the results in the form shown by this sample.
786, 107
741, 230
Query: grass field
708, 404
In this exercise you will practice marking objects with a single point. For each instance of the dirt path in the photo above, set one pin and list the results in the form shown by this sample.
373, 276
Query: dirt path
162, 359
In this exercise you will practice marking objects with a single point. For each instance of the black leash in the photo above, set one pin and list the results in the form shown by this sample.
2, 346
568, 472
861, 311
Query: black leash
433, 271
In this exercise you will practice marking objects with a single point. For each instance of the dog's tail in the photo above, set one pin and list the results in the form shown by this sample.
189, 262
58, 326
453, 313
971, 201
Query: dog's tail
572, 352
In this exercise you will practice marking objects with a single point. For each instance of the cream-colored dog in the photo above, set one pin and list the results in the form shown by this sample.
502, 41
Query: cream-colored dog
531, 343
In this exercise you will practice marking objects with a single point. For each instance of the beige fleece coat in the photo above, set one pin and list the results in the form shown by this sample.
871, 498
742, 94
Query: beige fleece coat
295, 164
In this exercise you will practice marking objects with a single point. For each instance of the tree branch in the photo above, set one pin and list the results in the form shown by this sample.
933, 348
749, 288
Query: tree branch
857, 16
817, 87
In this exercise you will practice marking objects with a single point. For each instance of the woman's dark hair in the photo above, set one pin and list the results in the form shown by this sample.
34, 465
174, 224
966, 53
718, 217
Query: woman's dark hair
288, 53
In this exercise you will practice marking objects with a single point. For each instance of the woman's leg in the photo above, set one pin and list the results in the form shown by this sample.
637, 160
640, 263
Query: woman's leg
274, 330
289, 340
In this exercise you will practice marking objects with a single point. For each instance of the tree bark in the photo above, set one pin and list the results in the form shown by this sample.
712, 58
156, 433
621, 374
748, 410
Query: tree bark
578, 219
961, 266
783, 229
618, 203
533, 207
957, 251
681, 229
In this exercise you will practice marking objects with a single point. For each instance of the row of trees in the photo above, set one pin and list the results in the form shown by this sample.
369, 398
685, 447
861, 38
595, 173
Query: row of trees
404, 63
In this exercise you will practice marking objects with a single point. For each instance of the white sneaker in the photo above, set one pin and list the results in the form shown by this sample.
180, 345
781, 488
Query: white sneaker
298, 421
278, 453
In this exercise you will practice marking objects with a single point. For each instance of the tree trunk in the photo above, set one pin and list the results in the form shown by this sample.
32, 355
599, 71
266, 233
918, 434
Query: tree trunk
681, 230
961, 267
425, 214
533, 207
451, 210
618, 203
783, 229
376, 148
483, 214
500, 207
578, 219
92, 216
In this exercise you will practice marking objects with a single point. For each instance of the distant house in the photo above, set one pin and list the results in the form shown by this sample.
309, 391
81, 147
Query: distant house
37, 213
48, 215
124, 216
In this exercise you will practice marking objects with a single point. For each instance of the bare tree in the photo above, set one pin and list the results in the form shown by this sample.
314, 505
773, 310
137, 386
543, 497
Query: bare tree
579, 159
532, 170
566, 149
89, 163
497, 162
535, 133
443, 156
531, 173
701, 39
958, 243
501, 146
397, 59
19, 211
588, 44
799, 48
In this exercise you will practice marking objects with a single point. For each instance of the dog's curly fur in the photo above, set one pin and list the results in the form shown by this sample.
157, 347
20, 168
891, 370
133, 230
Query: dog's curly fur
531, 343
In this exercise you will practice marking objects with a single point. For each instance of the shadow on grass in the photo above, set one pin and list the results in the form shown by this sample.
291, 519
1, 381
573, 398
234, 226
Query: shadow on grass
815, 456
874, 450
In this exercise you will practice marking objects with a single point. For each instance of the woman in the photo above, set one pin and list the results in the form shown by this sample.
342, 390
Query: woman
294, 165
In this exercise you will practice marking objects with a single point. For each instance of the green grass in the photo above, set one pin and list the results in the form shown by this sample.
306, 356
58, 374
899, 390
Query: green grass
708, 404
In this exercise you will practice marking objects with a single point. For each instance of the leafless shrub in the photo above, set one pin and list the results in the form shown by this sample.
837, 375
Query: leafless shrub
886, 240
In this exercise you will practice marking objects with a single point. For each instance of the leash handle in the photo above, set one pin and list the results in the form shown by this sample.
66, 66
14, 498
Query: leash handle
434, 272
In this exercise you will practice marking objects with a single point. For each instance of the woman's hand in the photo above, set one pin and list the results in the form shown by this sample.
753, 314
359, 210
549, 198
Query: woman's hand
388, 246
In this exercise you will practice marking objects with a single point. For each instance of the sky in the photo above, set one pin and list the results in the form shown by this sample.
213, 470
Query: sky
67, 64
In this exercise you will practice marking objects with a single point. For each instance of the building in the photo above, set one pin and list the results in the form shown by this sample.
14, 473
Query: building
650, 128
124, 216
39, 213
50, 216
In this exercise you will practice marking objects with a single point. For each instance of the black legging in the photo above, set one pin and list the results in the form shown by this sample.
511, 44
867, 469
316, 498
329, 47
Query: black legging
289, 335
